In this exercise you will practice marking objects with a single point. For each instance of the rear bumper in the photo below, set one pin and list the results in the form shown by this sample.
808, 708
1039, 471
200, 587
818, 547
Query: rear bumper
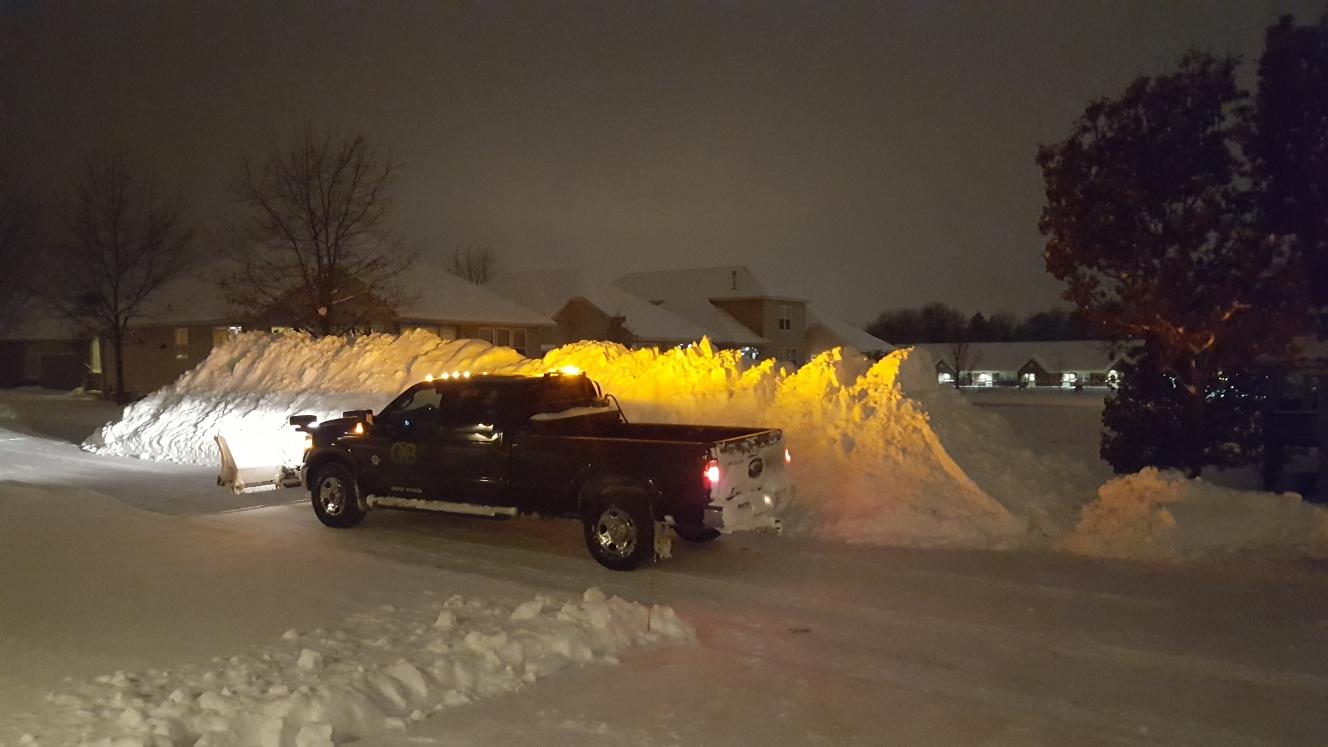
757, 510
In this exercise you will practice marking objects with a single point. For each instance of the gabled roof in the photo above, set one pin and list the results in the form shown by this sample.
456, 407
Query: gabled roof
548, 291
845, 332
725, 281
43, 325
435, 294
192, 299
438, 295
688, 293
1053, 357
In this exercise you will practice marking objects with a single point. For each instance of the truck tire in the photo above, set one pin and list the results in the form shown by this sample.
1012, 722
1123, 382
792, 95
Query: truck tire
335, 496
619, 529
697, 534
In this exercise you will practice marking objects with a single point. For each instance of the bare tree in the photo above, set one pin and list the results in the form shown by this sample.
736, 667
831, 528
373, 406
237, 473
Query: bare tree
16, 245
963, 359
474, 263
121, 240
314, 249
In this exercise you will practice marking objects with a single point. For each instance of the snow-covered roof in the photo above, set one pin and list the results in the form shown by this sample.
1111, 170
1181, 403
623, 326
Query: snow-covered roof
847, 333
439, 295
548, 291
687, 293
1066, 355
42, 325
193, 299
726, 281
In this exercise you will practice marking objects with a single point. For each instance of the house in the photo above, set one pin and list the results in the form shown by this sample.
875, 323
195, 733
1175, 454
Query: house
453, 308
825, 332
189, 318
48, 352
584, 309
738, 311
1068, 364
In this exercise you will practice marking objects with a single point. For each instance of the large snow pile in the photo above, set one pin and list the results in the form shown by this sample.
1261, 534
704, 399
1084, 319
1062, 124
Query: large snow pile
377, 672
881, 453
1165, 516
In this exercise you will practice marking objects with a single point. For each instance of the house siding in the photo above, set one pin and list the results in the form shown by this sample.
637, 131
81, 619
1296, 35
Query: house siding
761, 315
581, 320
150, 356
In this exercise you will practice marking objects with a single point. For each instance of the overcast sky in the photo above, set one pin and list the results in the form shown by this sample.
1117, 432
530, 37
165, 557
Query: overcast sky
865, 156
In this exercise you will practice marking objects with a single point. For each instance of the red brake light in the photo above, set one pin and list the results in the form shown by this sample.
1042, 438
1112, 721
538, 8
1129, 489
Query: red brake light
787, 456
711, 472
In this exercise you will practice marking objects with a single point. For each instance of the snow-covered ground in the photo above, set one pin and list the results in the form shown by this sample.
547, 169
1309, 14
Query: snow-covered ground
797, 640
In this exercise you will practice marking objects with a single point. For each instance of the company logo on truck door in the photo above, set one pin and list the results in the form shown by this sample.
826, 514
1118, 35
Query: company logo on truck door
403, 452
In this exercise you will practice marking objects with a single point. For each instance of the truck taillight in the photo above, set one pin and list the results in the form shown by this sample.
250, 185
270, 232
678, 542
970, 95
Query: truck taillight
788, 458
711, 472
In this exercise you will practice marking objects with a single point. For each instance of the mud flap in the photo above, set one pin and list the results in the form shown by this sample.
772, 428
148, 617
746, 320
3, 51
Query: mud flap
252, 478
663, 541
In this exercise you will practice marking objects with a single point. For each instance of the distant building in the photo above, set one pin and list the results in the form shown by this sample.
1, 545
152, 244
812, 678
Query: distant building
48, 352
188, 318
1065, 364
738, 311
584, 309
453, 308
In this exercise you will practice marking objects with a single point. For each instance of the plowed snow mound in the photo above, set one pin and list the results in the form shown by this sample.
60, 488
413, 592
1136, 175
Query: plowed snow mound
881, 454
1157, 515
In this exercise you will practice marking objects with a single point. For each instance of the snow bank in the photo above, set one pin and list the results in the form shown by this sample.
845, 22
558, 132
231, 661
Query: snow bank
1157, 515
869, 466
378, 672
881, 454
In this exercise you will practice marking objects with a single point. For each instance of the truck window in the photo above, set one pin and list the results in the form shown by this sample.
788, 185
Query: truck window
561, 393
413, 406
470, 403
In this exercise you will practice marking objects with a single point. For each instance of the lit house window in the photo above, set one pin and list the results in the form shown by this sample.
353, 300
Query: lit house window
785, 317
984, 379
1069, 379
1030, 379
944, 377
181, 342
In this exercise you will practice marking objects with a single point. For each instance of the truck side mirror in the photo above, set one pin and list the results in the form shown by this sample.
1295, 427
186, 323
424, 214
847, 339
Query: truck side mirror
302, 421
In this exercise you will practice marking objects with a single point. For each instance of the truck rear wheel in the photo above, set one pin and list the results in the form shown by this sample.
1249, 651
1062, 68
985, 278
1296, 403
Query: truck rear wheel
619, 529
336, 497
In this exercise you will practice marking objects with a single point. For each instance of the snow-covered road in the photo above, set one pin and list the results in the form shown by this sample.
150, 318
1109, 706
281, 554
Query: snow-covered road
799, 642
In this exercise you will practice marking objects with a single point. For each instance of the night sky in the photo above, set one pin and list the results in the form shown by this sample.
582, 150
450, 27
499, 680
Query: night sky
866, 157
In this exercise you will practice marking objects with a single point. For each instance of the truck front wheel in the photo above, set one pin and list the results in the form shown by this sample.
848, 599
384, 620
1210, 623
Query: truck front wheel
620, 530
335, 496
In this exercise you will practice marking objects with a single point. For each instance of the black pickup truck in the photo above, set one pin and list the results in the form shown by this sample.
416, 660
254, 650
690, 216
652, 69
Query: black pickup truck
553, 445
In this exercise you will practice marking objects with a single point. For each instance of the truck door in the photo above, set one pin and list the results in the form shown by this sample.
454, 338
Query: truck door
394, 455
467, 456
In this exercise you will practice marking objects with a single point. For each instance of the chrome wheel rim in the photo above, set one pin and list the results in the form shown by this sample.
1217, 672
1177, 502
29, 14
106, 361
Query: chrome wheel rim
616, 532
332, 495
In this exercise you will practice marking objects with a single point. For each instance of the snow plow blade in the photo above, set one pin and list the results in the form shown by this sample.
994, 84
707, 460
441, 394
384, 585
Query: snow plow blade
252, 478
